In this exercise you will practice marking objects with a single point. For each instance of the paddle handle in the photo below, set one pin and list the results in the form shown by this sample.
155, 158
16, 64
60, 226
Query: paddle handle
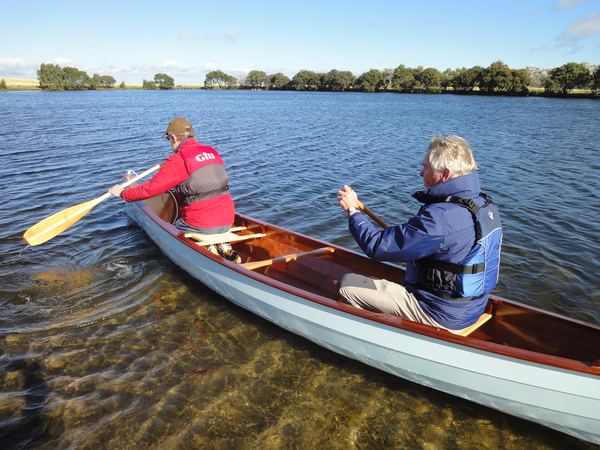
372, 215
131, 181
140, 176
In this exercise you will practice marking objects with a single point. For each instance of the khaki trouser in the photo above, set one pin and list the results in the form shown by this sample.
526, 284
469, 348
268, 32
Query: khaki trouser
383, 296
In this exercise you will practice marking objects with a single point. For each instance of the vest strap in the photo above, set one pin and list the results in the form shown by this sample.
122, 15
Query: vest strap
457, 268
188, 200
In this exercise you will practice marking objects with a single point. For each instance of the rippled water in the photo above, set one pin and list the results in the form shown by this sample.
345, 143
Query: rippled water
105, 344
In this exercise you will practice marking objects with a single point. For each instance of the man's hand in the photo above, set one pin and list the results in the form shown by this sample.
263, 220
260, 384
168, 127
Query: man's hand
116, 190
347, 198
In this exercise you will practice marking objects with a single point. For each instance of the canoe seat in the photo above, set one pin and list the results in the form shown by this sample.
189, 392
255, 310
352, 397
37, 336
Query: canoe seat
287, 258
467, 331
222, 238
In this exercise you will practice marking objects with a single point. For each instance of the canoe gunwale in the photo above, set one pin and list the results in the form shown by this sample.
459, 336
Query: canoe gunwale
387, 319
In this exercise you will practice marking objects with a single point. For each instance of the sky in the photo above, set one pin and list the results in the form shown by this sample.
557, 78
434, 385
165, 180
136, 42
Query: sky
134, 40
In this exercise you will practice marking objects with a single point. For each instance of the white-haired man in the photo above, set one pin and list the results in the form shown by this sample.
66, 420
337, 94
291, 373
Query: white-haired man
451, 247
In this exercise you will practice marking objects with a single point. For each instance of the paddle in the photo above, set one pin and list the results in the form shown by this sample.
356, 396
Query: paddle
372, 215
57, 223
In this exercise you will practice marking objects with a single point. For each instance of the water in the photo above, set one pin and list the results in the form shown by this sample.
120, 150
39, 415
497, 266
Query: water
104, 343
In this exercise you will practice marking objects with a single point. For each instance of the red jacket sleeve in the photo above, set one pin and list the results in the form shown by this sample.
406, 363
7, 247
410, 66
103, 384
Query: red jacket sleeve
171, 173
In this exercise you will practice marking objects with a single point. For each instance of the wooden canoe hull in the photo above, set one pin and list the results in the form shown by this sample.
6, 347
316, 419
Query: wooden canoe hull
557, 397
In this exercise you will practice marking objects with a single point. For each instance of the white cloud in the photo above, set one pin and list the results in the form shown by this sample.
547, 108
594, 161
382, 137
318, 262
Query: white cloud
583, 28
231, 35
12, 62
17, 67
565, 4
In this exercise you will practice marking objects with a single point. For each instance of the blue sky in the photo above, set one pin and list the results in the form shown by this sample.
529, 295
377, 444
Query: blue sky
133, 40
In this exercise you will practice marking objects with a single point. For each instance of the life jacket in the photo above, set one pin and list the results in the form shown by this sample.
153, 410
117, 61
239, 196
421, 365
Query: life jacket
477, 274
206, 173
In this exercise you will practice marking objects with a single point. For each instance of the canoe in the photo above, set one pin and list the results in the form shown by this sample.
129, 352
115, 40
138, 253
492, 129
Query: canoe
524, 361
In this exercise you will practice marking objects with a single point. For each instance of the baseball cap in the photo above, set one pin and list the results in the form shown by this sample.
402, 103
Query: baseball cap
180, 125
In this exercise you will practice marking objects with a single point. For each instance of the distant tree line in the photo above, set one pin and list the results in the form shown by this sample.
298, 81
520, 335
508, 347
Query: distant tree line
54, 77
497, 79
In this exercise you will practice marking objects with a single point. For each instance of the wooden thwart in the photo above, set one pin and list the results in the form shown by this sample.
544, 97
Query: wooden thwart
229, 237
286, 258
467, 331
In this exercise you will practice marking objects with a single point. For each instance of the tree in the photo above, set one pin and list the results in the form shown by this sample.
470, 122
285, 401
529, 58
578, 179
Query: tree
164, 81
95, 81
403, 79
447, 76
388, 78
50, 76
278, 81
75, 79
256, 79
551, 86
370, 81
122, 85
336, 80
497, 78
568, 77
520, 80
149, 85
217, 79
231, 82
3, 86
467, 80
596, 81
306, 80
107, 81
429, 80
536, 76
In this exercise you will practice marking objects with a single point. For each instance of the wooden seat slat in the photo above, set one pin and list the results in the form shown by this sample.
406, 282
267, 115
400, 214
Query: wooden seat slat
287, 258
468, 330
223, 238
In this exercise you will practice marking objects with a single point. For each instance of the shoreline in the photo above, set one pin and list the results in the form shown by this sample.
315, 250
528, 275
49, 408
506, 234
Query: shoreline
23, 84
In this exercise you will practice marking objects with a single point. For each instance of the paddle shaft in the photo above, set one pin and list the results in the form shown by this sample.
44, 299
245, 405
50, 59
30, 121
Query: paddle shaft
287, 258
372, 215
128, 183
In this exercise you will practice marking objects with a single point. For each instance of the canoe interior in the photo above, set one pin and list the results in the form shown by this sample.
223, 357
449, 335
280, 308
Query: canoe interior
514, 329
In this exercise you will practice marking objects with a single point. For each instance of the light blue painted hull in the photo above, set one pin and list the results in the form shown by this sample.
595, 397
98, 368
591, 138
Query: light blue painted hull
563, 400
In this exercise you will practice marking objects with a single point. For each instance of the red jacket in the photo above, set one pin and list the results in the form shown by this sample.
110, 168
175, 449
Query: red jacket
197, 173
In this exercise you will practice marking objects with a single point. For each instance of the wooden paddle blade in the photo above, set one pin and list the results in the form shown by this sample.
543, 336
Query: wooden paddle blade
57, 223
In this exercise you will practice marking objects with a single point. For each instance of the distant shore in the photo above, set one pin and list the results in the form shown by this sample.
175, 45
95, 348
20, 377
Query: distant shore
26, 84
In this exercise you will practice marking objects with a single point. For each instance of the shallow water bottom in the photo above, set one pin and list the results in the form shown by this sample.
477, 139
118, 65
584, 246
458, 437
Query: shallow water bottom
187, 369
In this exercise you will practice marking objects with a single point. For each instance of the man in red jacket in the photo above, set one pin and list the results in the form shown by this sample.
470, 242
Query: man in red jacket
197, 175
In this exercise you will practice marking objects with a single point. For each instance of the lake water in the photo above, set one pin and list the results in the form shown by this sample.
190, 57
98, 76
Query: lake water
106, 344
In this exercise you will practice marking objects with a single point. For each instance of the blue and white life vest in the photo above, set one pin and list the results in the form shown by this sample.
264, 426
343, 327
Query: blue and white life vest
478, 273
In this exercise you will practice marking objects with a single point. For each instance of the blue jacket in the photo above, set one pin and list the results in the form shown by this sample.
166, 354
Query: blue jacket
442, 231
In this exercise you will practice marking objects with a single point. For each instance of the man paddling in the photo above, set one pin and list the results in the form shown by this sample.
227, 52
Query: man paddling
451, 247
197, 175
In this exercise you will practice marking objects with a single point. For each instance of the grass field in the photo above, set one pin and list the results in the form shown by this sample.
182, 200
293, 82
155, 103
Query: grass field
20, 82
